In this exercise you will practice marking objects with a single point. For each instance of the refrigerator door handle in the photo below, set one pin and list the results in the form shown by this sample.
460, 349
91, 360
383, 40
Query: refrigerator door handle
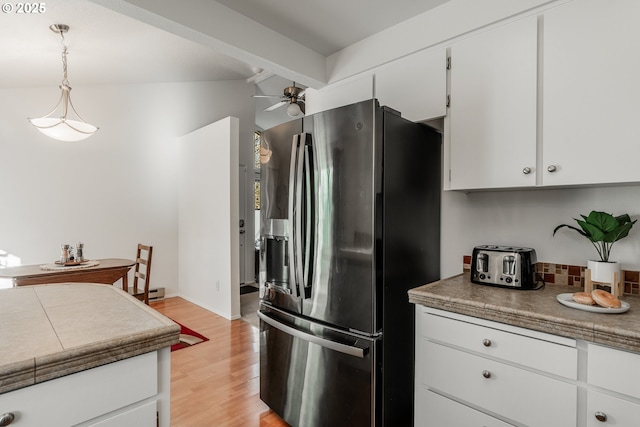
309, 212
323, 342
295, 214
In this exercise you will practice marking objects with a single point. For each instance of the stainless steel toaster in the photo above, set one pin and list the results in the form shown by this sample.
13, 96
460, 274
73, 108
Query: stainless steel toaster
506, 266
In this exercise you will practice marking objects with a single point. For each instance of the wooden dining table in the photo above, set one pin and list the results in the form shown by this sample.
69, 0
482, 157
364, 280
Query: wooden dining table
107, 271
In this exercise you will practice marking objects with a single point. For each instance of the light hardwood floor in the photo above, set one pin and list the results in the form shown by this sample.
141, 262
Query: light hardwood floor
216, 383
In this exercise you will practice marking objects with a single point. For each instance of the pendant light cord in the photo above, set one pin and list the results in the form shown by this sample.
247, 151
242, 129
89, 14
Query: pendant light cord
65, 81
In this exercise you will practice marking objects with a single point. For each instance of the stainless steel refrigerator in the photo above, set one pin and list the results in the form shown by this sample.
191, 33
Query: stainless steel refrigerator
350, 220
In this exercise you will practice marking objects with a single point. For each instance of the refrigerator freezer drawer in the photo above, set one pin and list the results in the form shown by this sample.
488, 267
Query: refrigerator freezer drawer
313, 376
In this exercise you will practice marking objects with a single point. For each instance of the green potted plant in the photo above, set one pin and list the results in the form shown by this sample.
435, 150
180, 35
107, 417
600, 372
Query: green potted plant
602, 230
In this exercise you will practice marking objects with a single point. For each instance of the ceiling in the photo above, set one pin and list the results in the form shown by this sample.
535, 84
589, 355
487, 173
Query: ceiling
108, 47
328, 26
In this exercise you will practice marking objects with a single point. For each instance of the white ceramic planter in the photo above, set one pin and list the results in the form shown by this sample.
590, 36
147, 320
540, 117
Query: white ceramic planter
603, 271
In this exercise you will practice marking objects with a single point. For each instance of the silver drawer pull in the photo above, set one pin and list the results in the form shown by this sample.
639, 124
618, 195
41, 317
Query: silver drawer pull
6, 419
486, 342
526, 170
486, 374
601, 416
552, 168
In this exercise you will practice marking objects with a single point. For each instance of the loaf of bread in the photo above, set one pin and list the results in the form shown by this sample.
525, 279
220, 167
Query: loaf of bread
583, 298
605, 299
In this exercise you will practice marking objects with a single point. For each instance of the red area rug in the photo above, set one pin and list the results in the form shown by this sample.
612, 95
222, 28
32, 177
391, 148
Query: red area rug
188, 338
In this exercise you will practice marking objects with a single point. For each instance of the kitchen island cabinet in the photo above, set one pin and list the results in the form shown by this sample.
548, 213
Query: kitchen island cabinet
83, 355
522, 358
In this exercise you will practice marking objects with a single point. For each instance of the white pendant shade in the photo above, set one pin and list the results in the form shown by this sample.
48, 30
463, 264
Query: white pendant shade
58, 126
64, 130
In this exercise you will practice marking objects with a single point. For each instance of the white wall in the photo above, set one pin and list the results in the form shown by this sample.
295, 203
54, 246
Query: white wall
208, 215
120, 186
527, 218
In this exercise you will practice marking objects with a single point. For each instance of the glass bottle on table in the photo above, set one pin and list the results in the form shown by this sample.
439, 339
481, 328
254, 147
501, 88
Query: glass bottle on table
64, 253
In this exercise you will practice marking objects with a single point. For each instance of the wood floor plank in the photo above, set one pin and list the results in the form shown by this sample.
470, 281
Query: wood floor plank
216, 383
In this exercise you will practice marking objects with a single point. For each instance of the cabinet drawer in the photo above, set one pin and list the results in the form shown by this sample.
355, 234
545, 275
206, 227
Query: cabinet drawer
618, 412
140, 416
438, 411
535, 353
517, 394
85, 395
614, 370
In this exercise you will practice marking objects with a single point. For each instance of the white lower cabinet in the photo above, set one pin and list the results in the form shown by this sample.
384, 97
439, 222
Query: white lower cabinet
497, 387
613, 381
127, 393
437, 410
474, 372
606, 410
492, 374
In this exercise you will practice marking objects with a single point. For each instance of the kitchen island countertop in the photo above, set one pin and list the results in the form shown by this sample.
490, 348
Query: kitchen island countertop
533, 309
49, 331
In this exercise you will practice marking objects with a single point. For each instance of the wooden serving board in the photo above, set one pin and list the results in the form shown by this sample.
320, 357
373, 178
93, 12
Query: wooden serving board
71, 263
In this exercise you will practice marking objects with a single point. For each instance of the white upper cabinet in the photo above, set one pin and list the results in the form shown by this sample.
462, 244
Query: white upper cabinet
339, 94
492, 113
591, 92
416, 85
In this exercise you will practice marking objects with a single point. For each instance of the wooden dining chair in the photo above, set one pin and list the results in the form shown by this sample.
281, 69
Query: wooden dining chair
141, 274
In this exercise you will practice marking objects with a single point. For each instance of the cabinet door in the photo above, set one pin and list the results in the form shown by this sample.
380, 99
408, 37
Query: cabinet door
609, 368
416, 86
492, 112
339, 94
591, 92
604, 410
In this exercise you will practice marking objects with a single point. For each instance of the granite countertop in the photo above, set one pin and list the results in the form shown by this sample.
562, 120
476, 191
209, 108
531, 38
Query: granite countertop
49, 331
533, 309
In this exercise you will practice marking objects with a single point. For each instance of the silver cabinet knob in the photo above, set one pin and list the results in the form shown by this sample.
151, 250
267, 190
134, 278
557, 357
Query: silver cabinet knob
486, 374
526, 170
552, 168
601, 416
486, 342
6, 419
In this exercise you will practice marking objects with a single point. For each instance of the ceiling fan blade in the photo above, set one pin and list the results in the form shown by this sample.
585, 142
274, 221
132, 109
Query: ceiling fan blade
301, 105
277, 105
266, 96
301, 94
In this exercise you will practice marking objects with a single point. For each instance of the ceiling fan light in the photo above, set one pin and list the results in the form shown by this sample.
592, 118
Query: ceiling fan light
293, 110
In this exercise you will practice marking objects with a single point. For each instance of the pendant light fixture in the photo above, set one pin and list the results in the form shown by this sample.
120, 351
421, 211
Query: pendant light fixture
61, 127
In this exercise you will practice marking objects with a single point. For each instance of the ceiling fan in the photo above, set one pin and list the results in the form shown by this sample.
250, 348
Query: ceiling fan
293, 95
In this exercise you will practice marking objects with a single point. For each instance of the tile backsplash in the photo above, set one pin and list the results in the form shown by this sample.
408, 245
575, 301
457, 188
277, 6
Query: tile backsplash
573, 275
